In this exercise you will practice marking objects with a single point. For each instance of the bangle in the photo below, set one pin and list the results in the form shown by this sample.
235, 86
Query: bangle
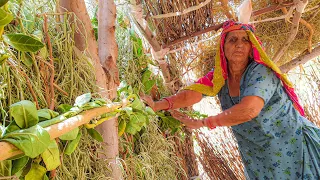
169, 102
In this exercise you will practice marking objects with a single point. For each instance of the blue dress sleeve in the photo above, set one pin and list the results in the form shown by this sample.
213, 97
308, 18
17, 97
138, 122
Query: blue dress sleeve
261, 81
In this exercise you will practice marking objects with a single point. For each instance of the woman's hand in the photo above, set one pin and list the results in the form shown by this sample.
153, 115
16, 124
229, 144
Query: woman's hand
148, 100
186, 120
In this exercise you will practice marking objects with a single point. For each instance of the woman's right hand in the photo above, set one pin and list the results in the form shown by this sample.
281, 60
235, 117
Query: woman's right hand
148, 100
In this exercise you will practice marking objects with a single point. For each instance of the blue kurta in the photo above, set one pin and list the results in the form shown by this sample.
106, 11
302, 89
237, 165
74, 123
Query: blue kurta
279, 143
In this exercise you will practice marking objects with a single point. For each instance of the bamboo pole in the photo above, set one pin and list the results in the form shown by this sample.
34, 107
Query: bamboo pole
8, 150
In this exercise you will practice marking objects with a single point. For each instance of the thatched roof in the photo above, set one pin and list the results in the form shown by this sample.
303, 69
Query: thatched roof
179, 22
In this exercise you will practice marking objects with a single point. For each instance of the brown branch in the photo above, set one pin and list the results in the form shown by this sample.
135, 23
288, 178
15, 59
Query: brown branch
291, 36
59, 89
211, 28
226, 9
51, 62
300, 60
302, 21
271, 8
28, 84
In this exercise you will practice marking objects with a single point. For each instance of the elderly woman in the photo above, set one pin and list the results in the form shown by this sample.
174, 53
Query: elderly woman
258, 102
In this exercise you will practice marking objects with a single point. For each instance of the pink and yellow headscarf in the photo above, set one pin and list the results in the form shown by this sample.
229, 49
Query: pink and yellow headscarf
220, 74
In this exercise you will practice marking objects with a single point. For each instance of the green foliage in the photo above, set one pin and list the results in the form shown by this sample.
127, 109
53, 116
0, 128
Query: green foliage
133, 117
95, 134
19, 164
23, 42
51, 156
10, 128
137, 121
72, 145
167, 122
3, 2
24, 113
46, 114
62, 108
71, 135
6, 167
147, 81
37, 172
5, 18
32, 141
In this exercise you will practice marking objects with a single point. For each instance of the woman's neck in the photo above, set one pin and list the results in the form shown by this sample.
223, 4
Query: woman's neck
236, 71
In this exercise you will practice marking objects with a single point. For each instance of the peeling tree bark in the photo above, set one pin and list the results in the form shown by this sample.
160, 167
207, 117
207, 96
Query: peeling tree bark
108, 53
300, 60
106, 72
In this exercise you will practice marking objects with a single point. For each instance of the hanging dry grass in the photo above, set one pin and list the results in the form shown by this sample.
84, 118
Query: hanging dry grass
219, 155
151, 156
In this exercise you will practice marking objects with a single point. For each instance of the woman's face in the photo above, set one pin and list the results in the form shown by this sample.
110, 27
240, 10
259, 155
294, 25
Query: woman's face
237, 47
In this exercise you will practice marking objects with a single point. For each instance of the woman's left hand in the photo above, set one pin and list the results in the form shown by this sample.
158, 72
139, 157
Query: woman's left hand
186, 120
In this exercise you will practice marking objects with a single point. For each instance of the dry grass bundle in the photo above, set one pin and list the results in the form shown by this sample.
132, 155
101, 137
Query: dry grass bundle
84, 162
151, 156
219, 156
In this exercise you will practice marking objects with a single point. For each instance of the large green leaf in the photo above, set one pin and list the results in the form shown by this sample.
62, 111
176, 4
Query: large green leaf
137, 121
137, 104
83, 99
11, 127
148, 85
36, 172
146, 76
5, 18
90, 105
23, 42
150, 111
3, 2
95, 134
63, 108
72, 145
3, 57
71, 135
19, 164
5, 168
52, 121
51, 156
46, 114
24, 113
32, 141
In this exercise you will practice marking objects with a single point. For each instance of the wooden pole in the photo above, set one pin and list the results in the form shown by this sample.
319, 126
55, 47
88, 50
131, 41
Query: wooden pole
8, 150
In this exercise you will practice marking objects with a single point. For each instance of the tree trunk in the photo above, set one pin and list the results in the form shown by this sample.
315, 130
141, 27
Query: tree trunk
106, 71
87, 43
108, 53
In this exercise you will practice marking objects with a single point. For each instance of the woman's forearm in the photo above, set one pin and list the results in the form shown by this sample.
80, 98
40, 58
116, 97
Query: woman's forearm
235, 115
182, 99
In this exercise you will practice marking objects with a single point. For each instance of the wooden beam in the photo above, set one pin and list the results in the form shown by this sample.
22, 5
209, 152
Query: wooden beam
8, 150
211, 28
300, 60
